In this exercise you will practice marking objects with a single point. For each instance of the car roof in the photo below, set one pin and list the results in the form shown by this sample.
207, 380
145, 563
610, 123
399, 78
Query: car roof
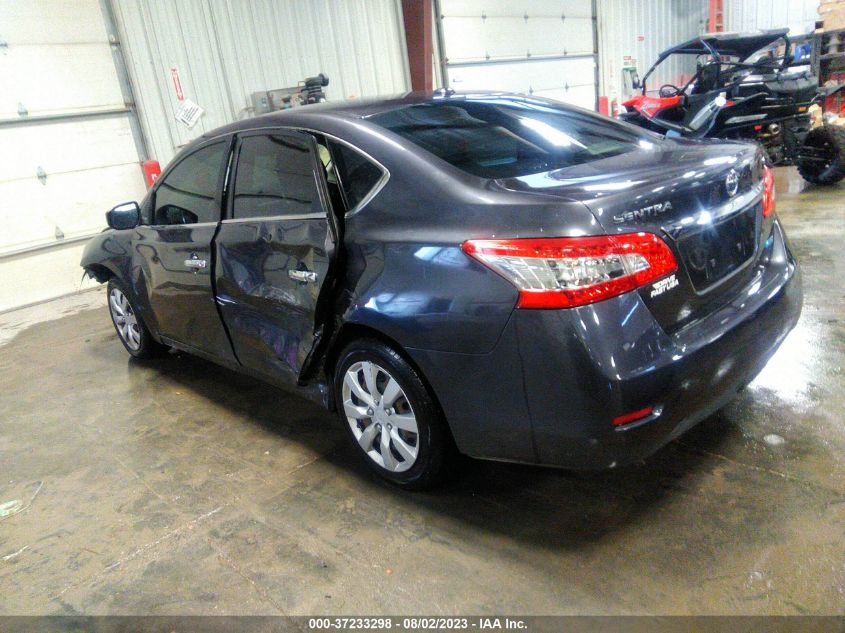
734, 44
314, 115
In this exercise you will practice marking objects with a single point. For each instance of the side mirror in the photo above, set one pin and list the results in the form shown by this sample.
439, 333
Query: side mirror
124, 216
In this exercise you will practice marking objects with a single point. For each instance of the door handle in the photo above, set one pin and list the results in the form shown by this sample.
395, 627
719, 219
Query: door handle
304, 276
196, 264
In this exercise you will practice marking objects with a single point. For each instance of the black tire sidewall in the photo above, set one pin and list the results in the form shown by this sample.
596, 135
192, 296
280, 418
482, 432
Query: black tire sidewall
148, 347
433, 441
833, 173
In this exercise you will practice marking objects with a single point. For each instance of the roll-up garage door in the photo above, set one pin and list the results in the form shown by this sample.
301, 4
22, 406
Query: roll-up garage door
540, 47
67, 149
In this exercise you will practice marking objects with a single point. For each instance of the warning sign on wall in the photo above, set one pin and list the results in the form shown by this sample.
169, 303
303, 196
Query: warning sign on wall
177, 83
188, 113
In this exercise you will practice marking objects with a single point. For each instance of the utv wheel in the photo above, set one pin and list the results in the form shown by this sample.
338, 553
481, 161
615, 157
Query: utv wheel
821, 160
392, 419
131, 331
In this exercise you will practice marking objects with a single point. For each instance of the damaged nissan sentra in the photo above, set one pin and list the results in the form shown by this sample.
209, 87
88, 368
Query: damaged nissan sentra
499, 276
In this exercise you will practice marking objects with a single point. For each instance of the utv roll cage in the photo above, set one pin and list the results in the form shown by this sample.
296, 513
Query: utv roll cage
723, 45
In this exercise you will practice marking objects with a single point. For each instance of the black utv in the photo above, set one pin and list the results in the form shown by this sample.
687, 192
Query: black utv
742, 86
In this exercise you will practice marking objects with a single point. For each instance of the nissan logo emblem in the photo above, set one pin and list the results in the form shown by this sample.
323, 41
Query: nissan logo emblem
732, 183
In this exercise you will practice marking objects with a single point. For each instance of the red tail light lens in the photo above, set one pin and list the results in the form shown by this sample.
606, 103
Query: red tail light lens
768, 191
564, 272
627, 418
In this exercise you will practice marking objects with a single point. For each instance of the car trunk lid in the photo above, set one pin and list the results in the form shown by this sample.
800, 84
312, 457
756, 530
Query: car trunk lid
702, 198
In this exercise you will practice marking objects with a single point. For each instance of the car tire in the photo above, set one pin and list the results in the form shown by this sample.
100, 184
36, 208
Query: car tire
130, 328
405, 440
831, 140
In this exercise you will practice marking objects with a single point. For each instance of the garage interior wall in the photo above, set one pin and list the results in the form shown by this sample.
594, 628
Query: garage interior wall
541, 47
68, 149
65, 123
224, 50
745, 15
65, 113
636, 31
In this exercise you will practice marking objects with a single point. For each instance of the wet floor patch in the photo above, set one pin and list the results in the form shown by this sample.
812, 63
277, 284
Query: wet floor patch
14, 322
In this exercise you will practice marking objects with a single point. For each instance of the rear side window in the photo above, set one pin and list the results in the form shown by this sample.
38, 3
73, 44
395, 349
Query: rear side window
188, 194
358, 174
498, 138
275, 177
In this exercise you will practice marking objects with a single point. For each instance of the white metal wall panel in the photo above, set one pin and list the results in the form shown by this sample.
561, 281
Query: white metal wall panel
100, 170
49, 41
477, 33
641, 29
71, 205
225, 50
57, 64
25, 279
40, 22
31, 75
542, 47
569, 80
745, 15
66, 147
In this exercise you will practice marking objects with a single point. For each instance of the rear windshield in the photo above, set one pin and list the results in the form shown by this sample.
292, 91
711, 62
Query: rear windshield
508, 138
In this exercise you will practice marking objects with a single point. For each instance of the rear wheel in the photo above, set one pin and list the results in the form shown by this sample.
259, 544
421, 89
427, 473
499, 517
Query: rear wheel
392, 419
131, 330
821, 160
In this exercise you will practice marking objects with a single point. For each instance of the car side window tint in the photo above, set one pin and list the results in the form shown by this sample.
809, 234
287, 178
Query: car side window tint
188, 194
275, 177
358, 174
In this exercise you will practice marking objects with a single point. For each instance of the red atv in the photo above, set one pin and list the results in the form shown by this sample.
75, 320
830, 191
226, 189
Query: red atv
742, 86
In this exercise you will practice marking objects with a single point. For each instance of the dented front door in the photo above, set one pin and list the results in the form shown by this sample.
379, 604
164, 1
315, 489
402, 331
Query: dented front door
273, 252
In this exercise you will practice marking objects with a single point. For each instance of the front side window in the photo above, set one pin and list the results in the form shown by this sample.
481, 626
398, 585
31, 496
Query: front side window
499, 138
188, 194
358, 175
275, 177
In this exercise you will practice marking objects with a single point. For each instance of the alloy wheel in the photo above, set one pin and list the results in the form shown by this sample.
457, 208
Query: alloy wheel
380, 416
125, 319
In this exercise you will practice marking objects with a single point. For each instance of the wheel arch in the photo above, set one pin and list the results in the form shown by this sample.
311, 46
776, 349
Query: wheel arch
349, 332
100, 272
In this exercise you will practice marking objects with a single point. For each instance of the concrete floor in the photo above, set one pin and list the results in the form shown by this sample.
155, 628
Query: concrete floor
177, 487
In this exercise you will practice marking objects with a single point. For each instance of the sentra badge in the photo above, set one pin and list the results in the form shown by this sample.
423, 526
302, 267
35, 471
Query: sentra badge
643, 213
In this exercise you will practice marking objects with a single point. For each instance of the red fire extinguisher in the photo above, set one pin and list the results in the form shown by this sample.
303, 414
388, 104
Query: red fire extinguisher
152, 170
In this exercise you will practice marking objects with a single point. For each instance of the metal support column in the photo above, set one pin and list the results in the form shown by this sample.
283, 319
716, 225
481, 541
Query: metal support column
716, 17
417, 19
123, 79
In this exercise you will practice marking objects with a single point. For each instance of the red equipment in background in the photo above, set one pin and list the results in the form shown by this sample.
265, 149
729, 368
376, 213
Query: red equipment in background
152, 170
649, 106
716, 17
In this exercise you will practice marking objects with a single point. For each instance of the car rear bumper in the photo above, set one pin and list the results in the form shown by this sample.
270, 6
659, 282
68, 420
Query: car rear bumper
550, 390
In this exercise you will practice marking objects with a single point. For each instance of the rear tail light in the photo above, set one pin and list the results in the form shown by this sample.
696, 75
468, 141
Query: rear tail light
768, 191
564, 272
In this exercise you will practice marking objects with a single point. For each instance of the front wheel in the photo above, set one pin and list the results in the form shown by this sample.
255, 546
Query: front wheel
131, 330
392, 419
821, 159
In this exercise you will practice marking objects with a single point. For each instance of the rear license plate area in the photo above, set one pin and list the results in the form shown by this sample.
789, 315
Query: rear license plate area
719, 249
